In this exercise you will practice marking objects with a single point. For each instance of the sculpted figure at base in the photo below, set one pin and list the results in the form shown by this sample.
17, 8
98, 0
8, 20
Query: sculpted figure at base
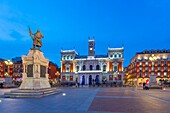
37, 43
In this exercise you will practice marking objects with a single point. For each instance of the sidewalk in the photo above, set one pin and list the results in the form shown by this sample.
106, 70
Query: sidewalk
4, 90
141, 88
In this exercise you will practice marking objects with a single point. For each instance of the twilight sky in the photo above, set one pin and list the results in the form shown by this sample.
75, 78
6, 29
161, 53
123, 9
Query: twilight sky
139, 24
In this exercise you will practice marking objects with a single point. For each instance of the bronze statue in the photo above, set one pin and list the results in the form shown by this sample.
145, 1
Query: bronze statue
36, 39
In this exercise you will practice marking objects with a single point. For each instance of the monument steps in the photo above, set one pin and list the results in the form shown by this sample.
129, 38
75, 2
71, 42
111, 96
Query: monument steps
31, 93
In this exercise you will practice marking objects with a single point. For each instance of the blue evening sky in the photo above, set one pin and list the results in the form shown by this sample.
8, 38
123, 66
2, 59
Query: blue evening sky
139, 24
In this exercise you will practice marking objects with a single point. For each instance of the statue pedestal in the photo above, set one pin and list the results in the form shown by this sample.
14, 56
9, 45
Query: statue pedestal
35, 82
153, 84
35, 71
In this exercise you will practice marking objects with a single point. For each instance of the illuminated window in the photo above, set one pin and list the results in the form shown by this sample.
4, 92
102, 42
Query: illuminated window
140, 68
159, 74
165, 73
159, 68
153, 63
140, 63
146, 68
146, 63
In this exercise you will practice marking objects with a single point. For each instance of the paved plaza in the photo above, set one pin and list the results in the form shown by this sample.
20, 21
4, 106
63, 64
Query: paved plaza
92, 100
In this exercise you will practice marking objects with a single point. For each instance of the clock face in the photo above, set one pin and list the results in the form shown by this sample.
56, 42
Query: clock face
91, 48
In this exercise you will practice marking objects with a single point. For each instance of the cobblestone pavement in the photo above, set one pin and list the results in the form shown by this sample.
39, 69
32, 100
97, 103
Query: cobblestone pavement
92, 100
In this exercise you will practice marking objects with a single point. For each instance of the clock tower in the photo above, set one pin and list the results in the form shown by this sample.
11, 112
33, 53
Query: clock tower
91, 47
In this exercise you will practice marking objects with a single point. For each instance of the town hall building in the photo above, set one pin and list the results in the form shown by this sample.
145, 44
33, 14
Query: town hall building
92, 67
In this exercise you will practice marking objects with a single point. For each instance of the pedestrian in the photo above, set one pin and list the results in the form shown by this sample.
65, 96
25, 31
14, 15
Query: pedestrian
93, 83
144, 85
76, 83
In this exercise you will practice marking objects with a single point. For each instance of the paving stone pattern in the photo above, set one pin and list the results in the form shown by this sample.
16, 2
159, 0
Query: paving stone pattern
92, 100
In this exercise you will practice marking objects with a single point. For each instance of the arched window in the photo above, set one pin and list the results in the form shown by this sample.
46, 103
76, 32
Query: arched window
67, 69
111, 55
77, 68
91, 67
115, 55
104, 68
84, 67
97, 67
115, 68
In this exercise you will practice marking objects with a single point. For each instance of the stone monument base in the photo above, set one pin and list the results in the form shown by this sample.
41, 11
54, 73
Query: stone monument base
28, 93
35, 83
153, 84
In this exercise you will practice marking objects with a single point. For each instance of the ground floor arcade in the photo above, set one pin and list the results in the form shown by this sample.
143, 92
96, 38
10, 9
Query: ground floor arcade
90, 78
139, 81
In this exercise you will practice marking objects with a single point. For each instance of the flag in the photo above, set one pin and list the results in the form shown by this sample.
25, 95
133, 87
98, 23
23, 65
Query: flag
29, 30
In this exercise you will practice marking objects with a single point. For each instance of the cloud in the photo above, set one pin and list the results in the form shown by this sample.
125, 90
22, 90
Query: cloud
11, 22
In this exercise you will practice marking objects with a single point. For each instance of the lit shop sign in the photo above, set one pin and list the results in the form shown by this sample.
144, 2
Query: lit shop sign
147, 81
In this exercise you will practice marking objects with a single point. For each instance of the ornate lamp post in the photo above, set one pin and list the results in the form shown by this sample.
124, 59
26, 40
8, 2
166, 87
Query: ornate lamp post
8, 63
58, 75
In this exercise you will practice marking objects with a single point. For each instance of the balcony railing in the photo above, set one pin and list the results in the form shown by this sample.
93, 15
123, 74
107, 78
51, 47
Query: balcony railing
90, 70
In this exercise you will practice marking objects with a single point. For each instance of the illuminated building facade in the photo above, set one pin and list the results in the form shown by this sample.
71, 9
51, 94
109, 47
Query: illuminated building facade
2, 68
17, 68
92, 67
6, 69
53, 73
52, 70
149, 63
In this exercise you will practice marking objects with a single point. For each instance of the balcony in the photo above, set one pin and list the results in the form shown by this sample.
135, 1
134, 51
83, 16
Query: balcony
90, 71
67, 72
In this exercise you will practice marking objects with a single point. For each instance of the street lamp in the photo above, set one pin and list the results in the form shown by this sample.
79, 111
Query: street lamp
58, 75
8, 63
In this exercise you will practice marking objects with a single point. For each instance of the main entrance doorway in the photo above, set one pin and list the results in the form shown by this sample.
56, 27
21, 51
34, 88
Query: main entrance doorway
97, 79
83, 80
90, 80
